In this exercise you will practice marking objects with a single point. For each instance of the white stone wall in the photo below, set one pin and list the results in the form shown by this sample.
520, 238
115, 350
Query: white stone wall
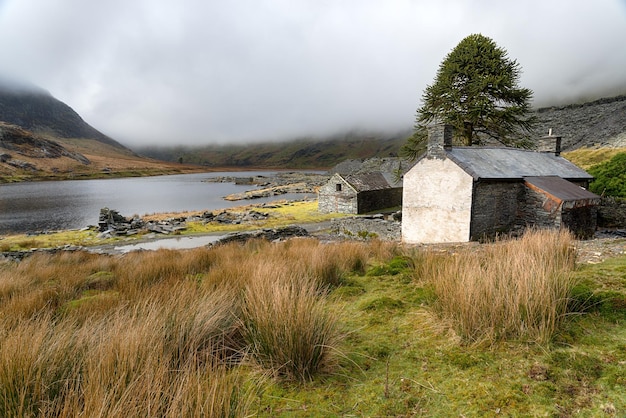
436, 203
332, 201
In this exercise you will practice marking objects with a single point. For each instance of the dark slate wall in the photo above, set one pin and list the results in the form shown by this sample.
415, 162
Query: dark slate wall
581, 221
612, 213
494, 208
510, 207
537, 211
374, 200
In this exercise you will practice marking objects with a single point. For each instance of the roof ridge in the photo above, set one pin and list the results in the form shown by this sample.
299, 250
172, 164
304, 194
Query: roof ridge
482, 147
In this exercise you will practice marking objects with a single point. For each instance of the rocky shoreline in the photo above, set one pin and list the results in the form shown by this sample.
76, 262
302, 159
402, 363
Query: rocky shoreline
111, 223
606, 243
279, 184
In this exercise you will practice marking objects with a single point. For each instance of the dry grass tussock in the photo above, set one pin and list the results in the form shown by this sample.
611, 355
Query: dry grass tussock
588, 157
515, 289
166, 333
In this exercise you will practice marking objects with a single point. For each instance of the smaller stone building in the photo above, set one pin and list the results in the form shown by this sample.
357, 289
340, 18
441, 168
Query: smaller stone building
458, 194
359, 193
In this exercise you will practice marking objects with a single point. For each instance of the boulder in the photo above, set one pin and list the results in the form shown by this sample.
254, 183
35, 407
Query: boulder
612, 212
266, 234
111, 219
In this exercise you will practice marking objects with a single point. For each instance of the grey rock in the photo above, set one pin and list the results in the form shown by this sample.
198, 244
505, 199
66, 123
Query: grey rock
266, 234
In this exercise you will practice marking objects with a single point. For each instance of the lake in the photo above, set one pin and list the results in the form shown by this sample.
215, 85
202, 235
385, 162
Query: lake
74, 204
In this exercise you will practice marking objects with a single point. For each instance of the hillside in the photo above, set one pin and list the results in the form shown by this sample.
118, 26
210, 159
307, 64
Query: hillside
593, 124
600, 123
299, 153
43, 138
36, 110
26, 156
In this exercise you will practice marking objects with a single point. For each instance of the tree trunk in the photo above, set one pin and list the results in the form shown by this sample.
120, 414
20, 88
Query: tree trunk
468, 130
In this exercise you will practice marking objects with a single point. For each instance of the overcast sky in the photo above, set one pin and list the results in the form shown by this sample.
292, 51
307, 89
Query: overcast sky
215, 71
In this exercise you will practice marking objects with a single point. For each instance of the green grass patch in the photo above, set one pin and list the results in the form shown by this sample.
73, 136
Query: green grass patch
89, 299
397, 265
610, 176
282, 214
384, 303
23, 242
602, 289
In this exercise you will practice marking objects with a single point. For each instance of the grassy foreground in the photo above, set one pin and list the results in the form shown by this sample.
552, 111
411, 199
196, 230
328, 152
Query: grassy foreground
303, 328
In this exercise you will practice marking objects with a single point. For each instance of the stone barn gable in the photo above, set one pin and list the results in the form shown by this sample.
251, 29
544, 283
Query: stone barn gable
458, 194
359, 193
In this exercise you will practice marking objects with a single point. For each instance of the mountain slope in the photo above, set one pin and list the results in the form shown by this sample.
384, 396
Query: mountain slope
598, 123
300, 153
28, 156
43, 138
23, 142
38, 111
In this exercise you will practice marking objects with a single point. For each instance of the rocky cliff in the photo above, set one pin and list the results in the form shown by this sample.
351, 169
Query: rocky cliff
598, 123
24, 143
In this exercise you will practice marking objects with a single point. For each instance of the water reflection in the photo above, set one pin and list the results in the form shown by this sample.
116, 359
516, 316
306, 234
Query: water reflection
178, 243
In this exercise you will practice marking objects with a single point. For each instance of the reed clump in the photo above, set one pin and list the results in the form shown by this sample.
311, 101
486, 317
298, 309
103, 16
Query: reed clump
167, 333
514, 289
286, 325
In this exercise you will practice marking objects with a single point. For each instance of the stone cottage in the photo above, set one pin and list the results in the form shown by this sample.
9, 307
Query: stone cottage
459, 194
359, 193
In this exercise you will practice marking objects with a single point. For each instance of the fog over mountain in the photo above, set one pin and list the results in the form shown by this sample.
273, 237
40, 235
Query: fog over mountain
35, 109
195, 72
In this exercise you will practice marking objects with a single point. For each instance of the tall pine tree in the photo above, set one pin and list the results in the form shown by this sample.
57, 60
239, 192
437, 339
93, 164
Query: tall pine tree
476, 90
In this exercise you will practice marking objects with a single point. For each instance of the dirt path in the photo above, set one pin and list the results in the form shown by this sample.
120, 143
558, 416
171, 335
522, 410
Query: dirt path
599, 249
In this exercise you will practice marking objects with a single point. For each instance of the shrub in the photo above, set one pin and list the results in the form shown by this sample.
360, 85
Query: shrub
610, 177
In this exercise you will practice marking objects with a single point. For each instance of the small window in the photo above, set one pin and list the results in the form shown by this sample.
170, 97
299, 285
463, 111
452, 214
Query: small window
338, 187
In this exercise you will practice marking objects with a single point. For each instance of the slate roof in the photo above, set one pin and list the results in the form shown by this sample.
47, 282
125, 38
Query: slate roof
373, 165
348, 166
491, 163
368, 181
563, 189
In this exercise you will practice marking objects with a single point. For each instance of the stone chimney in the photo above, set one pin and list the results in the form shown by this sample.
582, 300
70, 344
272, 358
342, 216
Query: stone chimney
550, 143
439, 140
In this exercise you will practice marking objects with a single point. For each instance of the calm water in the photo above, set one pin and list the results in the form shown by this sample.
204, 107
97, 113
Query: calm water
176, 243
71, 204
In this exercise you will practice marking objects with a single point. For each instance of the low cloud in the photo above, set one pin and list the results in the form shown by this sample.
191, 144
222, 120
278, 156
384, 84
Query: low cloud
194, 72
